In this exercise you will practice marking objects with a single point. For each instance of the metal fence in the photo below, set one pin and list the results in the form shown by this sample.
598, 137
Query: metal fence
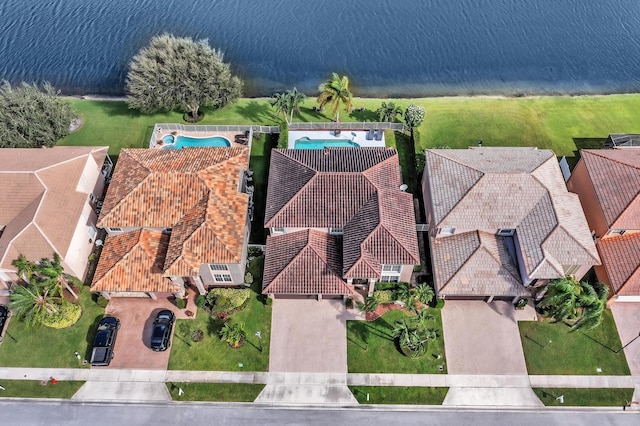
347, 126
207, 128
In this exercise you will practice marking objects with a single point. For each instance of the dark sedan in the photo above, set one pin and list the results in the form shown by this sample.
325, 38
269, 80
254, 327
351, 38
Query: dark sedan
161, 333
105, 341
4, 316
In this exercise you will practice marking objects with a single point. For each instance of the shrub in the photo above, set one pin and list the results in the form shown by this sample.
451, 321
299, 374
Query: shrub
269, 301
248, 278
283, 139
386, 286
200, 300
197, 336
226, 300
254, 252
180, 303
102, 301
384, 296
348, 303
65, 316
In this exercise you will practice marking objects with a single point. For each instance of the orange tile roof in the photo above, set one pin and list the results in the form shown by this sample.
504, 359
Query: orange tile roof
195, 191
133, 262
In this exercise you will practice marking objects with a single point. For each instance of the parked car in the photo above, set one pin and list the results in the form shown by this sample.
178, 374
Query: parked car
4, 316
105, 341
161, 333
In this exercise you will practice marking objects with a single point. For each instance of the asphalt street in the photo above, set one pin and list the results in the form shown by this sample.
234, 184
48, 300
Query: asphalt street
32, 412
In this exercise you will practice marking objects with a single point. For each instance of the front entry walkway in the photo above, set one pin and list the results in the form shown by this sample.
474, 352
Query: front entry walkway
483, 338
308, 337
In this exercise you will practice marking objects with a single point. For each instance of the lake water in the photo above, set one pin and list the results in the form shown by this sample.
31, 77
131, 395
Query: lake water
387, 47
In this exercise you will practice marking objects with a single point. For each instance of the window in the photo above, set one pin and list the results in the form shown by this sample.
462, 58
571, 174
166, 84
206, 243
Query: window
336, 231
392, 268
447, 231
390, 279
571, 270
506, 232
223, 278
115, 229
278, 230
218, 267
92, 232
618, 231
92, 197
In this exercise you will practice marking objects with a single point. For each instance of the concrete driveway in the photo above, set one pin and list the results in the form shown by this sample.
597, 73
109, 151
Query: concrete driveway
627, 317
309, 336
136, 317
482, 338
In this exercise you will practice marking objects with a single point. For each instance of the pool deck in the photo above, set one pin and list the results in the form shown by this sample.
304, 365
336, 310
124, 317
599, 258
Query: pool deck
231, 136
360, 137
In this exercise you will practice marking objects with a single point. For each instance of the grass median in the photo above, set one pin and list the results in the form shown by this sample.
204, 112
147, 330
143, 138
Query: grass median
410, 395
38, 389
221, 392
584, 397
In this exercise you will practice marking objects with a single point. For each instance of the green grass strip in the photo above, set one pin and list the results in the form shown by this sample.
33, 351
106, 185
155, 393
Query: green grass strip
38, 389
223, 392
399, 395
607, 397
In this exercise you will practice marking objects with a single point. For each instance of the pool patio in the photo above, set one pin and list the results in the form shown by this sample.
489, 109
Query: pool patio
357, 136
235, 137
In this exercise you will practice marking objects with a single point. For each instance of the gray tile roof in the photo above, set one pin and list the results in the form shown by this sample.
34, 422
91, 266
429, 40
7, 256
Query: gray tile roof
511, 188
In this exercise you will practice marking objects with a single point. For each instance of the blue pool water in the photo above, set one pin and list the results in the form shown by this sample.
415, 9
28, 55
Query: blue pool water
306, 143
180, 141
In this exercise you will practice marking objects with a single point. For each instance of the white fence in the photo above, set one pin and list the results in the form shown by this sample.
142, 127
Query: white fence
347, 126
206, 128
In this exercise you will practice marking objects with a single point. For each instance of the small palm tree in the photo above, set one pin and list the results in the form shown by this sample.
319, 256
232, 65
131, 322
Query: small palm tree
281, 104
388, 112
25, 267
51, 274
403, 292
234, 334
370, 304
294, 99
412, 338
422, 317
33, 303
335, 93
424, 293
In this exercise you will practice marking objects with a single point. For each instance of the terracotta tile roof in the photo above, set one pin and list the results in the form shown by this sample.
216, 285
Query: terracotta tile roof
475, 263
303, 262
132, 262
615, 174
511, 188
621, 257
44, 187
356, 189
195, 191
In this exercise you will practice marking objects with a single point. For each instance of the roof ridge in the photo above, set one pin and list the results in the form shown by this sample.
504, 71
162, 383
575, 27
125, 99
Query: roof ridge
462, 197
122, 258
596, 152
559, 225
381, 225
497, 259
297, 256
295, 197
463, 264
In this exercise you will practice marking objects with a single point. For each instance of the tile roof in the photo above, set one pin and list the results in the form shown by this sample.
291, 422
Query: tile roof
510, 188
355, 189
475, 263
45, 189
615, 174
303, 262
621, 257
132, 262
195, 191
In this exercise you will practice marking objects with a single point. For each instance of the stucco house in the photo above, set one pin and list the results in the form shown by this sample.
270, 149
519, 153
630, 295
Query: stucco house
501, 221
608, 184
48, 198
338, 220
174, 217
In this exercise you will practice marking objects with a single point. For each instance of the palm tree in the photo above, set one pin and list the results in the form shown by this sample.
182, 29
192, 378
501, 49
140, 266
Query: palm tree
388, 112
234, 334
294, 99
334, 93
422, 317
424, 293
576, 303
370, 304
280, 102
403, 292
25, 267
51, 274
32, 303
412, 338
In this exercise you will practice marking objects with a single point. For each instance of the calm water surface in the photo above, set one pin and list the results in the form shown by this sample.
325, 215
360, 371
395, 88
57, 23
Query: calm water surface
387, 47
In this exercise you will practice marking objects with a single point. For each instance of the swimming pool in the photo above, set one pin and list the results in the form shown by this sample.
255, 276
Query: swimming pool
180, 141
306, 143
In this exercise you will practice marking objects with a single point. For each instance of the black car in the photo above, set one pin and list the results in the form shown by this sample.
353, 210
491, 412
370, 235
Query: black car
4, 315
162, 330
105, 341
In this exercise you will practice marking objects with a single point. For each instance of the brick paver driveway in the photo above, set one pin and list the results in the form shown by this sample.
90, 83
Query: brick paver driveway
627, 316
309, 336
482, 338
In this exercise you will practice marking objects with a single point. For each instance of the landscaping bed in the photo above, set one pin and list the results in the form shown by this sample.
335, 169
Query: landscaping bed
572, 352
411, 395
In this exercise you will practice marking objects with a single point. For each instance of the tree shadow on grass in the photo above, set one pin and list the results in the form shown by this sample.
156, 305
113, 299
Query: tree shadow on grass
214, 325
366, 115
91, 334
119, 108
257, 112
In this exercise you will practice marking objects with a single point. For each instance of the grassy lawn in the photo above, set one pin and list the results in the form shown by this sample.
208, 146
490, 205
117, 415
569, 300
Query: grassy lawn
260, 157
214, 354
458, 122
584, 397
371, 349
572, 352
48, 347
35, 389
399, 395
223, 392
